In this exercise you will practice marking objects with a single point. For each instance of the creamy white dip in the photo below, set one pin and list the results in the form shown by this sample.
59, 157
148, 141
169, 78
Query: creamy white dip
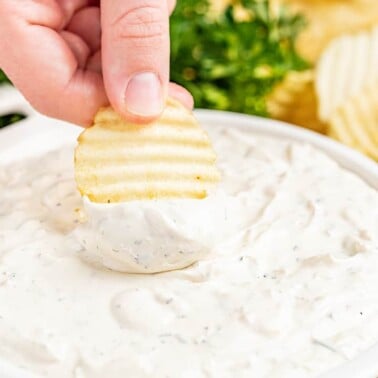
157, 236
291, 295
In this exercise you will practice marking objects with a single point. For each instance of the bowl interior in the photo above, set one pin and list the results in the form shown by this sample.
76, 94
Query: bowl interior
37, 135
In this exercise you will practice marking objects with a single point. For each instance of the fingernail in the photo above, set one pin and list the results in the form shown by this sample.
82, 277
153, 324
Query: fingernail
144, 95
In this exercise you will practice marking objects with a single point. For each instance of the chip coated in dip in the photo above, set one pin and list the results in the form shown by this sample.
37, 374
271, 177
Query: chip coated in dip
291, 294
150, 236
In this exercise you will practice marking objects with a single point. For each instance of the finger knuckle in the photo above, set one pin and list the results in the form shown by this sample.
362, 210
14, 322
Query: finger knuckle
142, 23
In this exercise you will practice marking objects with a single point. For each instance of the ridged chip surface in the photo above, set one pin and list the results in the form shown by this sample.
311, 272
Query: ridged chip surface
348, 64
355, 123
117, 161
294, 100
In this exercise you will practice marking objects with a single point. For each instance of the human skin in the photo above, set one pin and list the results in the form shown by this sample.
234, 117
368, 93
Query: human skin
70, 57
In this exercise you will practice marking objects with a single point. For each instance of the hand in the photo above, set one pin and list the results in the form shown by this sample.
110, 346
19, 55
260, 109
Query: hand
70, 57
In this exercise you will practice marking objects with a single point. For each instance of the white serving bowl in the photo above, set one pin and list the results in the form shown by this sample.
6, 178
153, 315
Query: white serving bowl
38, 134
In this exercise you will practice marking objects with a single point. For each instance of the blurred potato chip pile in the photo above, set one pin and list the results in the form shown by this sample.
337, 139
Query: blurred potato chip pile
347, 86
294, 100
117, 161
338, 96
329, 19
355, 122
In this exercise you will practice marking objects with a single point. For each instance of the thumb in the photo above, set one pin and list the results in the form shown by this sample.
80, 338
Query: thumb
135, 55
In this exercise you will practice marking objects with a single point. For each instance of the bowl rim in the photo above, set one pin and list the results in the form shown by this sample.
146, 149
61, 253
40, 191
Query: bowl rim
30, 130
348, 158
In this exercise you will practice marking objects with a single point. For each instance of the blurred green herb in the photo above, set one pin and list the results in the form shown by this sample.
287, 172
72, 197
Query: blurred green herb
232, 64
3, 78
8, 119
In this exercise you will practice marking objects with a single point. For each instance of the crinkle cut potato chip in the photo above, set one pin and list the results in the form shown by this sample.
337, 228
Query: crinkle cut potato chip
355, 123
117, 161
294, 100
348, 65
329, 19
